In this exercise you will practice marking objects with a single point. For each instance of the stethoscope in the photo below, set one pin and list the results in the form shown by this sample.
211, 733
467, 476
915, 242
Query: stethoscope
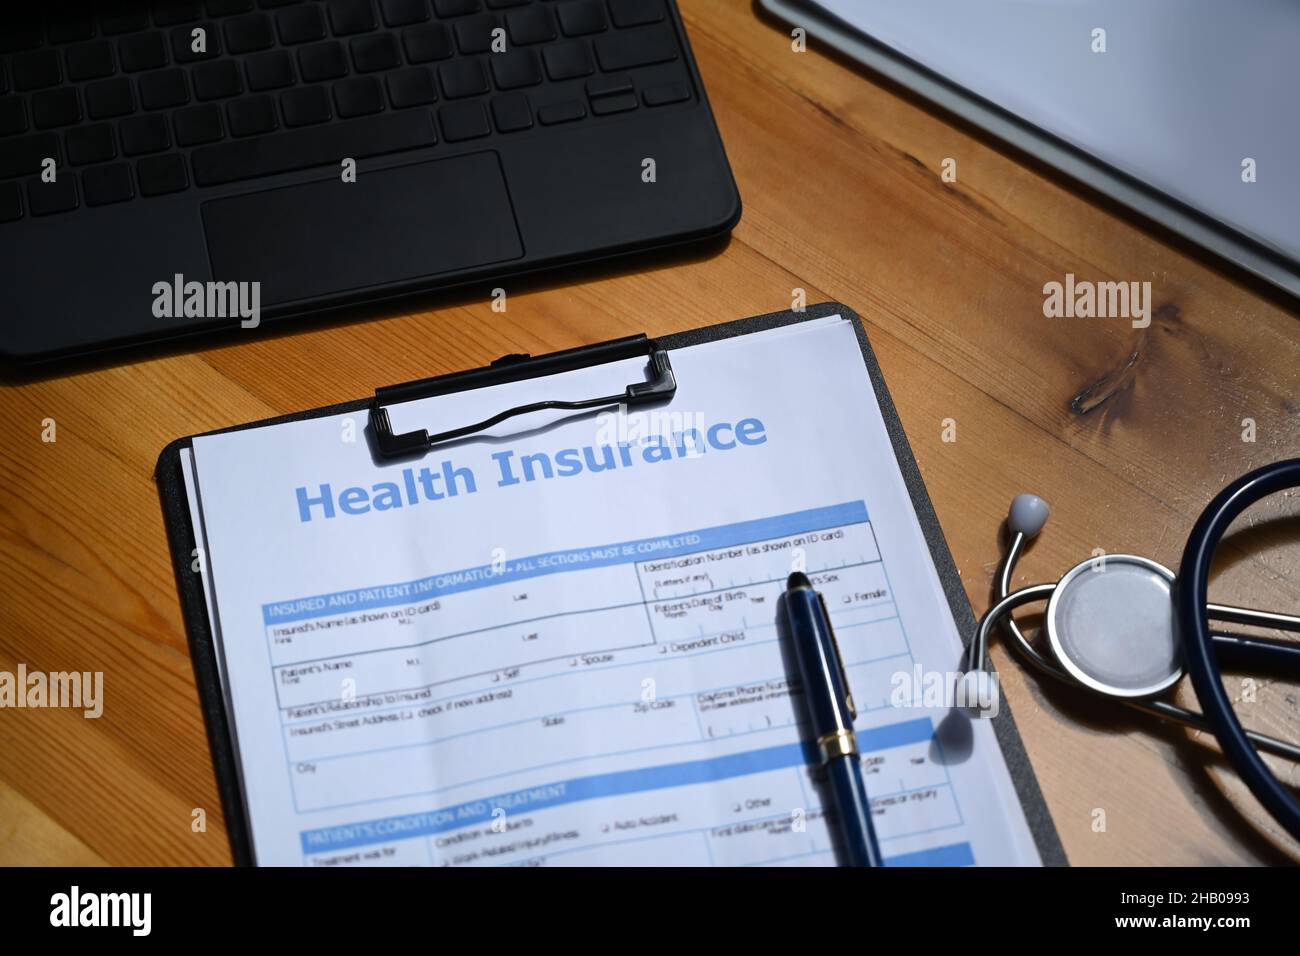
1125, 627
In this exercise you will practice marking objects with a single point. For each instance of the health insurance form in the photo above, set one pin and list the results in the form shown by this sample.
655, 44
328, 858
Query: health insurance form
557, 645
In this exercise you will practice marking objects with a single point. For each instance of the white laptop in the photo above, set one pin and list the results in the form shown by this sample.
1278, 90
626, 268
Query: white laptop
1183, 110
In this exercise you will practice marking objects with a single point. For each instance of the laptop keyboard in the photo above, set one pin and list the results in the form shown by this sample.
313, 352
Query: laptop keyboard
131, 105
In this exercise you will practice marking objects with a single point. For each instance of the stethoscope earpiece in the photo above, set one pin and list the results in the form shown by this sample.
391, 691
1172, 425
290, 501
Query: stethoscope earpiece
978, 693
1028, 514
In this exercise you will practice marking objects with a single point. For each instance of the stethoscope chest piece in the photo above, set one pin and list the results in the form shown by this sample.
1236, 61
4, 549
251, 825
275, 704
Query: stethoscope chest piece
1110, 624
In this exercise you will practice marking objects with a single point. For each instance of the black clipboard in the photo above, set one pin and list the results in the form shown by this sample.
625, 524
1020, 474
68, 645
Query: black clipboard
182, 542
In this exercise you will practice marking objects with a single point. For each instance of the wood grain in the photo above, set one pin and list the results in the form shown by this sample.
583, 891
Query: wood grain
1128, 433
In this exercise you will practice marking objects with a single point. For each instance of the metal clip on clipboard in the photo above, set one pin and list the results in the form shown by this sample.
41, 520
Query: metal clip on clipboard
660, 385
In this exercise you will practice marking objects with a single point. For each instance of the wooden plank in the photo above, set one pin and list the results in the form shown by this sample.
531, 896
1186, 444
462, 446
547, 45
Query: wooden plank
29, 837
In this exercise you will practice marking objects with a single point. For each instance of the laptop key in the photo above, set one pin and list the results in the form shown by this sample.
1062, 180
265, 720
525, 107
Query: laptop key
214, 81
46, 199
400, 13
462, 121
124, 18
168, 13
89, 61
305, 105
225, 8
426, 43
474, 34
195, 42
24, 154
13, 118
565, 112
533, 25
59, 107
376, 52
102, 185
159, 175
164, 88
455, 8
512, 112
313, 146
610, 85
665, 94
565, 61
90, 144
198, 125
142, 51
109, 98
641, 47
351, 16
411, 87
635, 13
251, 115
462, 78
144, 134
269, 71
322, 61
11, 203
249, 33
358, 96
516, 69
581, 17
605, 105
34, 71
300, 24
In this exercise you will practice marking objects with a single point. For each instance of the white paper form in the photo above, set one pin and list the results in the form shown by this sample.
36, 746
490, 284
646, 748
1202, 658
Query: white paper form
556, 645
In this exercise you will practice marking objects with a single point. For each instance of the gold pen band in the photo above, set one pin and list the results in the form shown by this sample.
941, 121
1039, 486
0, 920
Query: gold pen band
841, 743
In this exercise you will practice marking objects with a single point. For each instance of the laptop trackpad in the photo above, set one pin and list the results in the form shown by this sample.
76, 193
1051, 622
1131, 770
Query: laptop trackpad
391, 225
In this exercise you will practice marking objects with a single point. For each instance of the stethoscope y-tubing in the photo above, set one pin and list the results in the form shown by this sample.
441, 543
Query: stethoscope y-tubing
1199, 647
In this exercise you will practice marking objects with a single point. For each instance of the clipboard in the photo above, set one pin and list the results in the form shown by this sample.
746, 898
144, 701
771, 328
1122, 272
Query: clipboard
182, 540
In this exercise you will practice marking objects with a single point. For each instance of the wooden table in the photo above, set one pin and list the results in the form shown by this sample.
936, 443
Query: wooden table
1127, 432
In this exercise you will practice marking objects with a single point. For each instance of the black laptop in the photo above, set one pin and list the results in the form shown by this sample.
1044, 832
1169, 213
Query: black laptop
158, 159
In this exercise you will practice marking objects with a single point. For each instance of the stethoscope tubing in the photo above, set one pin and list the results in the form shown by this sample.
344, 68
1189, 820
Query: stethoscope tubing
1239, 651
1199, 648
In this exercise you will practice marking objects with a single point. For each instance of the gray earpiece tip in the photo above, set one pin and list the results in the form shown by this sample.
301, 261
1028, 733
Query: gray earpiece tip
1028, 515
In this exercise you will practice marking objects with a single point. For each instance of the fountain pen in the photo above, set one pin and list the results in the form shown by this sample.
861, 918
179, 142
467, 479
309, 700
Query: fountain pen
831, 714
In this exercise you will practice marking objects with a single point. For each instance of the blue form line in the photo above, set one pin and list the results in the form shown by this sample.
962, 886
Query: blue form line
955, 854
617, 783
574, 559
